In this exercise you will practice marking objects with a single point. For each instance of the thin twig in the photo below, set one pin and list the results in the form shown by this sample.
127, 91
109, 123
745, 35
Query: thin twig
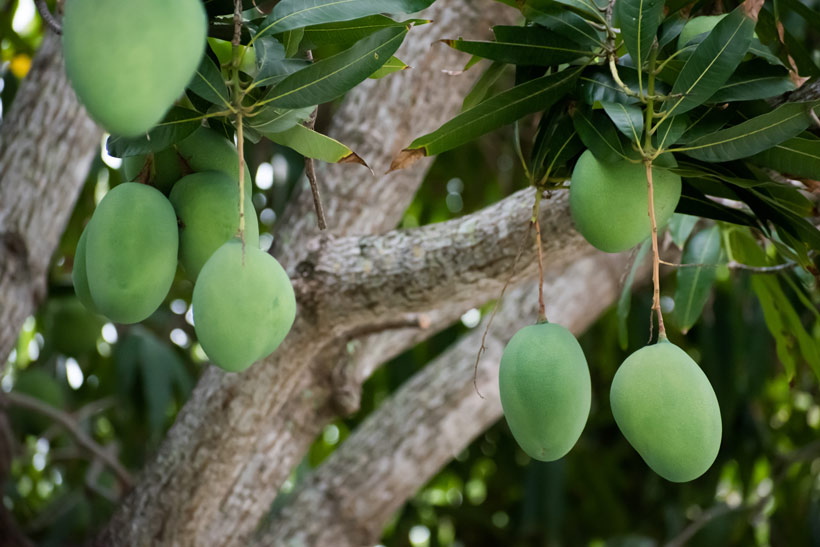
733, 265
51, 22
542, 313
82, 438
237, 99
656, 276
483, 347
310, 170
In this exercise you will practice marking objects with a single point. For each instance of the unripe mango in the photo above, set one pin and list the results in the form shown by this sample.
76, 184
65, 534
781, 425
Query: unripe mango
545, 390
667, 410
610, 201
78, 273
129, 60
242, 309
131, 252
203, 150
207, 206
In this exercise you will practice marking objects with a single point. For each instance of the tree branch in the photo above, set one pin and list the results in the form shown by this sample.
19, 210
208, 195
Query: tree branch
70, 425
432, 417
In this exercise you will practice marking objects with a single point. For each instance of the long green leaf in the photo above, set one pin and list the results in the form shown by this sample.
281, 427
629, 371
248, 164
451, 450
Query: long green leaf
640, 20
754, 80
502, 109
313, 144
291, 14
521, 46
483, 85
346, 33
330, 78
799, 157
598, 134
563, 22
177, 125
752, 136
394, 64
209, 84
712, 63
628, 119
270, 119
695, 283
680, 227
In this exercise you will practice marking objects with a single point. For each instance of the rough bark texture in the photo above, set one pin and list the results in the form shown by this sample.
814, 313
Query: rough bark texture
429, 420
46, 143
239, 436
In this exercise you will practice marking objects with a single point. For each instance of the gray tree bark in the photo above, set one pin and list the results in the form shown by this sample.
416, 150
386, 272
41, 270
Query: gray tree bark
347, 502
46, 143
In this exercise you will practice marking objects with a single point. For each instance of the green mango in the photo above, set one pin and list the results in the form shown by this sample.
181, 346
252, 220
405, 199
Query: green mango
609, 201
667, 410
42, 386
243, 306
207, 206
202, 150
545, 390
131, 252
79, 275
129, 60
697, 26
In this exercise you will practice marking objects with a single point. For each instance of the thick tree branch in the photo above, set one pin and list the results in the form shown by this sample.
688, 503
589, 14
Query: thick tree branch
372, 278
431, 418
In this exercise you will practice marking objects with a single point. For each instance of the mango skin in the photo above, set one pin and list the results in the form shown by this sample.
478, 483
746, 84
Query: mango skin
207, 206
242, 312
545, 390
79, 275
129, 60
202, 150
609, 202
667, 410
131, 252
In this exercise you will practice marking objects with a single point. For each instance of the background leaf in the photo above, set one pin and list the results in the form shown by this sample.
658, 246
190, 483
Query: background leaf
625, 300
598, 134
639, 20
313, 144
799, 157
178, 124
628, 119
695, 283
209, 84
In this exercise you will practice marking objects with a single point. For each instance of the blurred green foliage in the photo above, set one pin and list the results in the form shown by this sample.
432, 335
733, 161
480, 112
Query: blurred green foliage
125, 386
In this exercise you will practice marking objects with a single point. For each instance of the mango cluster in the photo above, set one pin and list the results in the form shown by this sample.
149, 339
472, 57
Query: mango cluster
127, 256
661, 400
129, 60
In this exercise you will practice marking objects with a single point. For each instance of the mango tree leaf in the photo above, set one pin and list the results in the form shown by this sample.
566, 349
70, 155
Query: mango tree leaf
555, 143
670, 131
639, 20
270, 119
625, 300
628, 119
346, 33
330, 78
313, 144
291, 14
680, 227
752, 136
713, 62
393, 64
563, 22
754, 80
483, 85
178, 124
695, 283
521, 46
799, 157
291, 40
670, 30
597, 85
497, 111
586, 8
694, 202
209, 84
598, 134
269, 54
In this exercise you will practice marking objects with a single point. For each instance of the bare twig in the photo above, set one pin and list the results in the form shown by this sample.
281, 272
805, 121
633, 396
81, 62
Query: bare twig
733, 265
656, 277
51, 22
542, 313
237, 100
483, 347
310, 170
82, 438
